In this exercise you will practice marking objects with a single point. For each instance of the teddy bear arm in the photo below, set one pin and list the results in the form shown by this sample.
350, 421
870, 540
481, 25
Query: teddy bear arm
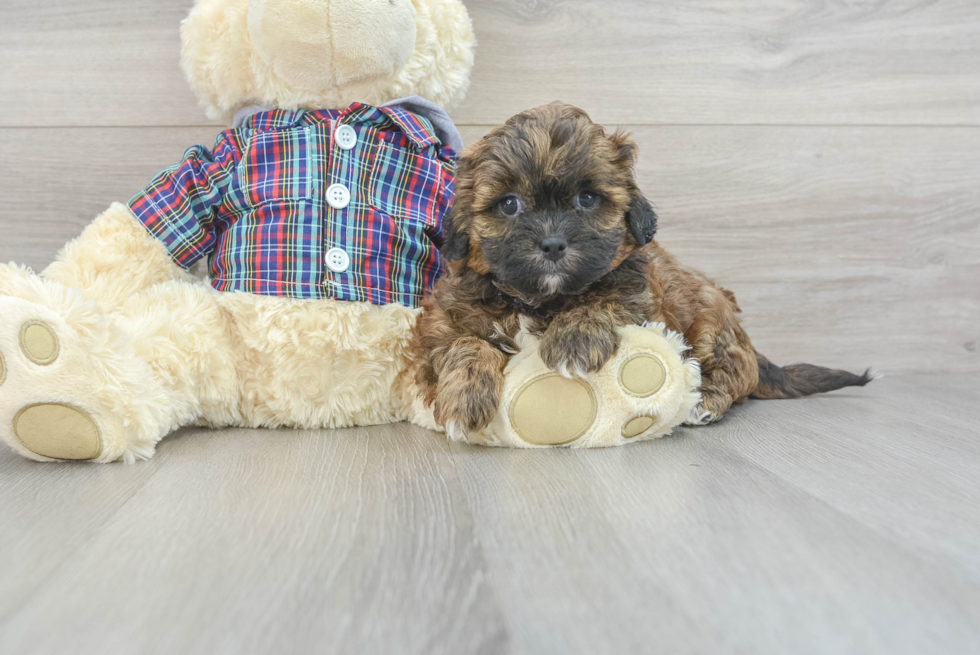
114, 259
117, 256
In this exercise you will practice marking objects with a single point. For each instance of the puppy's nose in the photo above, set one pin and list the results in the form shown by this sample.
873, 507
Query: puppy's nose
553, 247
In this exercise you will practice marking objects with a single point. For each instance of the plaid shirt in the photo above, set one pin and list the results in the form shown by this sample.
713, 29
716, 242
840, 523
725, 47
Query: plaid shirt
256, 205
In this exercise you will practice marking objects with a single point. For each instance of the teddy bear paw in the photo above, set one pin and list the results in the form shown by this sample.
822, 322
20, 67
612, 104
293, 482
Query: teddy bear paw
67, 389
643, 391
50, 430
37, 421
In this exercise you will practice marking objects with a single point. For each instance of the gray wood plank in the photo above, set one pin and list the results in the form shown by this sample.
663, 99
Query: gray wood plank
49, 512
783, 62
94, 62
260, 542
54, 181
115, 62
744, 537
901, 456
850, 247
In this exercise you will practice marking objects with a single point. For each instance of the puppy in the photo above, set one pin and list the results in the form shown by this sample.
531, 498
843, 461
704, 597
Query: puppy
549, 233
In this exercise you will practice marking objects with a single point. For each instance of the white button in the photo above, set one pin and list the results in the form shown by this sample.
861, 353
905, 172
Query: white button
337, 260
346, 137
338, 196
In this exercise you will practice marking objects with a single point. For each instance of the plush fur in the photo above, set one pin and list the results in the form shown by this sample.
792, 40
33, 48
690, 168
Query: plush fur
550, 233
145, 348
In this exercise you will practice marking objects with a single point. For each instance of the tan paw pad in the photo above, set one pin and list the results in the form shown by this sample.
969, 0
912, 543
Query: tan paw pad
551, 410
58, 431
642, 375
637, 426
39, 343
3, 370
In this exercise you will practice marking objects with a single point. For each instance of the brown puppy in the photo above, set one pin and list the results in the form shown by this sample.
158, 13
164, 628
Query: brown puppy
549, 233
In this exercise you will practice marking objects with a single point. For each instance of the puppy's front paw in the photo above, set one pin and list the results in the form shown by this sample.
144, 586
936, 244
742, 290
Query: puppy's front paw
466, 403
574, 350
699, 416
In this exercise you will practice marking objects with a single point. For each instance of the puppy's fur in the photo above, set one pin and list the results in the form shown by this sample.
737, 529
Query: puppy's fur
571, 272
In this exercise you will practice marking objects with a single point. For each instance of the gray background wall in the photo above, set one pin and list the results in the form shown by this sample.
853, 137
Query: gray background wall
821, 159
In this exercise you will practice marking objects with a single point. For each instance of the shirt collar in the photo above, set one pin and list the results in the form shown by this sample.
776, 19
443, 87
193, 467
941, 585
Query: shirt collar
264, 117
416, 127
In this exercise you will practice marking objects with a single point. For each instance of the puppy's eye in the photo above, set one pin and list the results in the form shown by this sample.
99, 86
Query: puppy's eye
587, 200
510, 206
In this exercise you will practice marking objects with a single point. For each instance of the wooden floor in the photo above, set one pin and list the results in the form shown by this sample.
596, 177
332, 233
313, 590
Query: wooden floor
847, 523
822, 159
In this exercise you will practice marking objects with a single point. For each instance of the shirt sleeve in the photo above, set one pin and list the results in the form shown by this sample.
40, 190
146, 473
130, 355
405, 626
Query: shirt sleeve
181, 206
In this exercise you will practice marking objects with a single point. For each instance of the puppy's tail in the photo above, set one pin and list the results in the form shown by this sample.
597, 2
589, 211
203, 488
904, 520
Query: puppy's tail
803, 379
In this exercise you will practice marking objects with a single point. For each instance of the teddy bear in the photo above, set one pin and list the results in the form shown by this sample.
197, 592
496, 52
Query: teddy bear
318, 217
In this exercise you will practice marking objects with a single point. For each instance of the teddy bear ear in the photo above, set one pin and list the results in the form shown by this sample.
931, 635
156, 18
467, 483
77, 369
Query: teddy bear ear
642, 220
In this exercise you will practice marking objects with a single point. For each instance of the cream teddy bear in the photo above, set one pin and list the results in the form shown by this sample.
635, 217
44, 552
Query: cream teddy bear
319, 217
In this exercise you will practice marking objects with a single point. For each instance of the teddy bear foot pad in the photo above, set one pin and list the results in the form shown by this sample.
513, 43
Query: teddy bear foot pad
58, 431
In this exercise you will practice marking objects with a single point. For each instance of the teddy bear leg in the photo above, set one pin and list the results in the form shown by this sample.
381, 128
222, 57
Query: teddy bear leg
113, 259
79, 384
644, 391
192, 346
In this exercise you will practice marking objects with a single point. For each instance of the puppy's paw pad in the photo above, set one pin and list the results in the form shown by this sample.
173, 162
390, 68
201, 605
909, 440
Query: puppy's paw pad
552, 410
58, 431
39, 343
642, 375
3, 370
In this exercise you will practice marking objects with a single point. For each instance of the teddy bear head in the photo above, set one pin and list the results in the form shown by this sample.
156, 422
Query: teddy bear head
318, 54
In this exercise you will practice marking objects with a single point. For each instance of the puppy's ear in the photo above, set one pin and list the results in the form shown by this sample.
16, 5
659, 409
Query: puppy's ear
642, 220
625, 149
455, 239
